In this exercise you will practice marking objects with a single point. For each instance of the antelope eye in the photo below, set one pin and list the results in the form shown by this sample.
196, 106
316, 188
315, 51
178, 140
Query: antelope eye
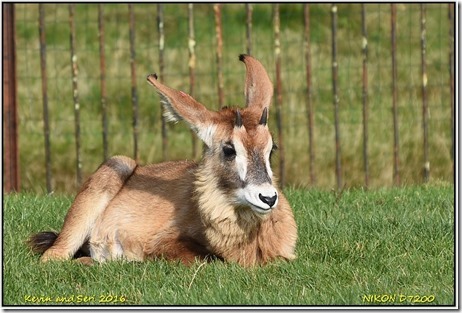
273, 149
229, 152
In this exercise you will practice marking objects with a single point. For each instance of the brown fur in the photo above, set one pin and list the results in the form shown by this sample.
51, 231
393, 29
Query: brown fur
179, 210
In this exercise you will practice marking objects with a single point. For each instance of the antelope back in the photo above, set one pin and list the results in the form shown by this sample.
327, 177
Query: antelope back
239, 143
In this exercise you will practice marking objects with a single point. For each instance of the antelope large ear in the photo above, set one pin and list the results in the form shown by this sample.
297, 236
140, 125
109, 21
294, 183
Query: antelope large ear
258, 87
181, 106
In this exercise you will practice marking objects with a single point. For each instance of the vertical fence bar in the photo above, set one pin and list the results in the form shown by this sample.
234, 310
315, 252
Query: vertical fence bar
133, 81
248, 27
396, 178
338, 166
10, 108
219, 36
75, 94
192, 67
309, 98
423, 46
277, 54
451, 75
43, 72
160, 29
102, 63
365, 97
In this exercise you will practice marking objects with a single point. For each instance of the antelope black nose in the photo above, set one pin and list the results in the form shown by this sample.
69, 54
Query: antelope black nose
268, 200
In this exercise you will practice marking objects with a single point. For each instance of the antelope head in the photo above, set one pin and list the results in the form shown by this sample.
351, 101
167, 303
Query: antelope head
239, 143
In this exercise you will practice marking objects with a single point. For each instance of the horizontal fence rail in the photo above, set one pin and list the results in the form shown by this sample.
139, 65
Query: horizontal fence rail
362, 93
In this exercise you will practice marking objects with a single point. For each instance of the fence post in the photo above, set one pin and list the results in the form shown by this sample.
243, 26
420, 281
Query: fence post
160, 29
192, 67
309, 103
43, 73
396, 178
248, 27
277, 53
338, 165
423, 44
365, 98
451, 75
102, 60
219, 35
75, 92
133, 83
10, 111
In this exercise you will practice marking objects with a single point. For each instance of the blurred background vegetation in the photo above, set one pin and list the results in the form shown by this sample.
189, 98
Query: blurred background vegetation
295, 129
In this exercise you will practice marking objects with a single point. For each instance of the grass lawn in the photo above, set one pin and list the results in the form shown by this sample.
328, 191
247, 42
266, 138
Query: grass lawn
386, 246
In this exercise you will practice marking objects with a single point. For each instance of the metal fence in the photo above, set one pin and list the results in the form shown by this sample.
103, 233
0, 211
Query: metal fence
339, 70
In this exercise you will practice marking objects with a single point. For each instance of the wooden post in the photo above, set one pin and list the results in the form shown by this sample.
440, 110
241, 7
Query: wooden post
74, 69
278, 98
423, 45
192, 68
219, 35
10, 112
248, 28
102, 63
43, 72
160, 29
365, 98
133, 83
338, 164
451, 76
309, 92
396, 178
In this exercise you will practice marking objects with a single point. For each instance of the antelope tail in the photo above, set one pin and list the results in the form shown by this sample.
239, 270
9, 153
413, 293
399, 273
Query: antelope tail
40, 242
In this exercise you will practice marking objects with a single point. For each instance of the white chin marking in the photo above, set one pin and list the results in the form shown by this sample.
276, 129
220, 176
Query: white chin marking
250, 195
260, 210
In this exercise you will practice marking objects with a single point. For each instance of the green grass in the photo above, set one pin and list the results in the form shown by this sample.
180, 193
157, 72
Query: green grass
295, 130
352, 245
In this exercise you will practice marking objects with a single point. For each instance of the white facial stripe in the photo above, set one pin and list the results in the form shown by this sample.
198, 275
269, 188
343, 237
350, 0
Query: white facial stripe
268, 148
206, 132
241, 159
